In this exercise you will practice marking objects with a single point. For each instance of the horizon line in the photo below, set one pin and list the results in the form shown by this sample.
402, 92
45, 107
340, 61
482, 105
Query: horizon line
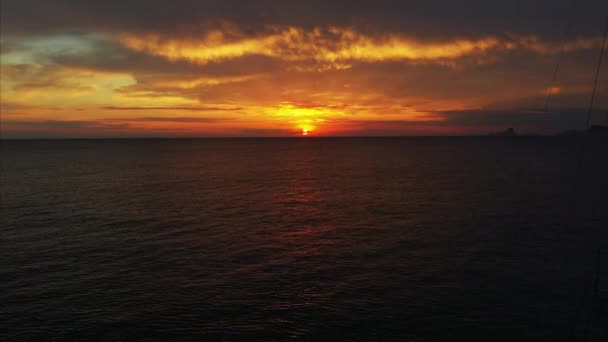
286, 137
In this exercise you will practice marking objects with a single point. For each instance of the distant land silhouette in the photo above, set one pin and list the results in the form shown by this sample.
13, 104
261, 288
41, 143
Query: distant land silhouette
509, 132
594, 130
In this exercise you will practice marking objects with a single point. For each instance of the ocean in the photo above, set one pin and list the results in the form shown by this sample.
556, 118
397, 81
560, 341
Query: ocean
371, 239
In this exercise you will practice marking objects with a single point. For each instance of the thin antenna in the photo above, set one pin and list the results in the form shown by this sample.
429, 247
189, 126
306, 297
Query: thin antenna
597, 75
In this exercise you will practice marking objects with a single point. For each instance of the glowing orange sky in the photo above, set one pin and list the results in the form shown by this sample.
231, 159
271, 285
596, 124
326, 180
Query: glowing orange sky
217, 75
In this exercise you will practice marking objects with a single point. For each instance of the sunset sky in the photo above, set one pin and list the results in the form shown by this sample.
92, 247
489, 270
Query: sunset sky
279, 68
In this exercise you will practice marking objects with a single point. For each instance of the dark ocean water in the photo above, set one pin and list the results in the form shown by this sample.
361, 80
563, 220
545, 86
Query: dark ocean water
393, 239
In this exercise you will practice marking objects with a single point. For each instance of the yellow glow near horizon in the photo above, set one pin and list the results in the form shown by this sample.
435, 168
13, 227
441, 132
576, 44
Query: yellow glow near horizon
305, 119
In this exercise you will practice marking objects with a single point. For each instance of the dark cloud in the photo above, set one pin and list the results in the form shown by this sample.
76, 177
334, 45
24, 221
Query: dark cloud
427, 18
113, 128
264, 132
17, 129
171, 119
63, 124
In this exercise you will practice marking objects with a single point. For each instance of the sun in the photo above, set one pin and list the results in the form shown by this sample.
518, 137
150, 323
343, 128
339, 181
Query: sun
305, 128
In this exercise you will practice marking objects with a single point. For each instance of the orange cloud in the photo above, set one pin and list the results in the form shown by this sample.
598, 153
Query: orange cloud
336, 46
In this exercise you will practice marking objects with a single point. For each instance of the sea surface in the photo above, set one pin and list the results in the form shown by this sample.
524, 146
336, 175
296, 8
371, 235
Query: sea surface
372, 239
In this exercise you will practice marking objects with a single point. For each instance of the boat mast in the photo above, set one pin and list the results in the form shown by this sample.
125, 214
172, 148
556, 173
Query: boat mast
597, 75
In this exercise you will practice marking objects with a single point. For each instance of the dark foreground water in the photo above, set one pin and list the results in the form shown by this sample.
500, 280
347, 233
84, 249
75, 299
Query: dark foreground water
412, 239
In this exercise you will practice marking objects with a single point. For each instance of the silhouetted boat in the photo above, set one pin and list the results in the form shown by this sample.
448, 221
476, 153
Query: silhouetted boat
509, 132
599, 131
